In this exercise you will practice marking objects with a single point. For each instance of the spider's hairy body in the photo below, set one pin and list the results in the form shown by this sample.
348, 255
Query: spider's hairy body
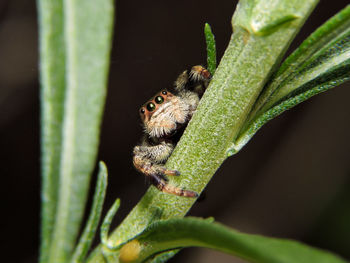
164, 118
168, 117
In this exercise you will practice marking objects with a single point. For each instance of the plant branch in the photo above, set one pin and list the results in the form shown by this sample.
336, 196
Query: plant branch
263, 31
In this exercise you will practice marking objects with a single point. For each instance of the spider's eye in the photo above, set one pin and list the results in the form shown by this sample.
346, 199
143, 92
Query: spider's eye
164, 92
142, 110
150, 106
159, 99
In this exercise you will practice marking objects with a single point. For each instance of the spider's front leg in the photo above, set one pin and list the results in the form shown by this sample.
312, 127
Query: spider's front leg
196, 79
149, 160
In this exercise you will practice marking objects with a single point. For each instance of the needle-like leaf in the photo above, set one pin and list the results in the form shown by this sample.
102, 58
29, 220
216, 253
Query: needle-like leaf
211, 48
89, 232
107, 223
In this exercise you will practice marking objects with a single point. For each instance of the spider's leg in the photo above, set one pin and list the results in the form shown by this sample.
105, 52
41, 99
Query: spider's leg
171, 172
155, 171
163, 186
190, 79
149, 168
148, 158
199, 74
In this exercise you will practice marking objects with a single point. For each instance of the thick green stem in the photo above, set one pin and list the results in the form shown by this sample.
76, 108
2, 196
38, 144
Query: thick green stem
263, 31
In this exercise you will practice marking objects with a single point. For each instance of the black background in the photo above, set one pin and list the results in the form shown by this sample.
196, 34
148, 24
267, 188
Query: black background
291, 180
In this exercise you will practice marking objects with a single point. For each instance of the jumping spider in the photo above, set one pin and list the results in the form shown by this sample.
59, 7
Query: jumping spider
164, 118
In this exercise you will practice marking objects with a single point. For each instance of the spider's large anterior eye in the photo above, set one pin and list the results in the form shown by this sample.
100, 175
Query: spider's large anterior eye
159, 99
150, 106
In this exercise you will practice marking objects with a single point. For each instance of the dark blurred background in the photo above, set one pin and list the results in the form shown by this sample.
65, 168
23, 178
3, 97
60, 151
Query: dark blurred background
292, 180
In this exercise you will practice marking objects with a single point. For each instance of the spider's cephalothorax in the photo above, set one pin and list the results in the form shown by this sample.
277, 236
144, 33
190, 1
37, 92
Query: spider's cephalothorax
164, 118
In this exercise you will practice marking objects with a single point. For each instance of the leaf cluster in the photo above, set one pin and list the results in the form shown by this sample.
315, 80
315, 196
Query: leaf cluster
74, 49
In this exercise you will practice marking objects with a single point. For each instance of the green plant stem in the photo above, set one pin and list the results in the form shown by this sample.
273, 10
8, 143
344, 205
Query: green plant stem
262, 32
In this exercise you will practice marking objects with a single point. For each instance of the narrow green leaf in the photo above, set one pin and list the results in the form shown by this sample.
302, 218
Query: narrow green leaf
194, 232
322, 62
107, 223
88, 234
324, 35
318, 59
52, 80
87, 32
165, 256
211, 48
